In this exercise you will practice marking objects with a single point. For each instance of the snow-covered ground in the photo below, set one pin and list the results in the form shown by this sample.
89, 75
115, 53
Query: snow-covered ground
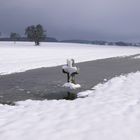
111, 112
137, 57
23, 56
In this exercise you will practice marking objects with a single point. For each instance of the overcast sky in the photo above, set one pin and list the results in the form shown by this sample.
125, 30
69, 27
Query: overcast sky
111, 20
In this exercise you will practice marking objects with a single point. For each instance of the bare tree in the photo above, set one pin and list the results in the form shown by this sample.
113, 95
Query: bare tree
35, 33
14, 36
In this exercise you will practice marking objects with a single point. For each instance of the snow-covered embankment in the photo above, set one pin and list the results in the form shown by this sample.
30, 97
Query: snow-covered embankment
110, 112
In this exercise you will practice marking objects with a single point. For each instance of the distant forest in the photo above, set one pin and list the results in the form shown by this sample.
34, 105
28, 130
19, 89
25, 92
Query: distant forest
47, 39
96, 42
100, 42
37, 34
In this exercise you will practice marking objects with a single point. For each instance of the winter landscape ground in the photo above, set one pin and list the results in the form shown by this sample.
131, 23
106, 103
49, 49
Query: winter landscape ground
108, 111
24, 55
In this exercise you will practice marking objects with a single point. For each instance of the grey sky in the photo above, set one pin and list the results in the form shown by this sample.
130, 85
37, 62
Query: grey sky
74, 19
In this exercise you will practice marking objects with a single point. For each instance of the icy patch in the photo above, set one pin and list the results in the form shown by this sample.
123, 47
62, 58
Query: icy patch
71, 85
137, 57
84, 93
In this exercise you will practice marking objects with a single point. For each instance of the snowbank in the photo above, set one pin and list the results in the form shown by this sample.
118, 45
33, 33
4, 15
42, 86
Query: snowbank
111, 112
24, 56
71, 85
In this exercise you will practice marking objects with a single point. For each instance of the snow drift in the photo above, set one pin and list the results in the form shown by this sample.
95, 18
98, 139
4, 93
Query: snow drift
111, 112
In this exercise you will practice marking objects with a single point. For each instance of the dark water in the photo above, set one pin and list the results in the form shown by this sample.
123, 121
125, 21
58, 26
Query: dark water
46, 83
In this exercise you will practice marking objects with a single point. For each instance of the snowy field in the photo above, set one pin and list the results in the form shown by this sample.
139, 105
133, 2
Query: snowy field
24, 56
111, 112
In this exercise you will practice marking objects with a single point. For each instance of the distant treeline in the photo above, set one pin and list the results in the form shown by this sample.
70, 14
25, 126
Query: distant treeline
37, 34
47, 39
97, 42
52, 39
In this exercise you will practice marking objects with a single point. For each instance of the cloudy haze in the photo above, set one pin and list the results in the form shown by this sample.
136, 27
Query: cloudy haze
111, 20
